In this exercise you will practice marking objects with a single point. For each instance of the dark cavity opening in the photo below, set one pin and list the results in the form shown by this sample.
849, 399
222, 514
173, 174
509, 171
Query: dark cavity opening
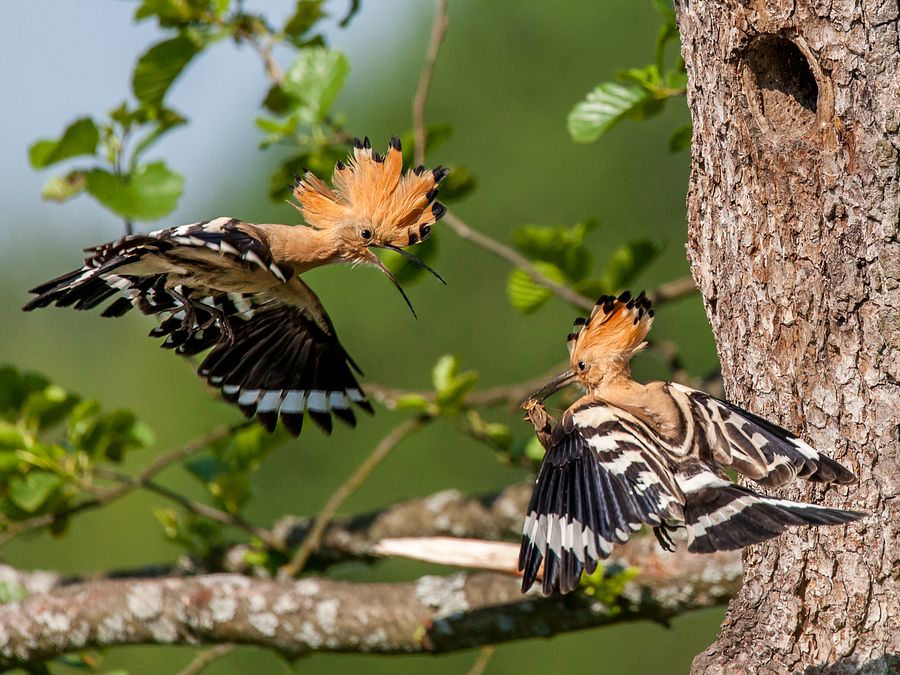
785, 90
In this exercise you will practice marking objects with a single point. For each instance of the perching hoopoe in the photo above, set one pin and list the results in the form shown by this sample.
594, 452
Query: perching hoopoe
233, 286
627, 454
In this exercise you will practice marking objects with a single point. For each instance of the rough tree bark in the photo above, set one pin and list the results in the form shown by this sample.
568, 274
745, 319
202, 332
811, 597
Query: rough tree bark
793, 240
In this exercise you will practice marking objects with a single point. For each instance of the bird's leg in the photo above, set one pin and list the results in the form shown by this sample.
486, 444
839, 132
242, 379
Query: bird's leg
187, 323
537, 414
219, 317
663, 537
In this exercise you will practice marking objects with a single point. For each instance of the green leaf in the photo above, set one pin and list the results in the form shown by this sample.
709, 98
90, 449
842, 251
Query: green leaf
451, 397
277, 130
169, 12
158, 67
603, 108
30, 492
444, 371
165, 119
63, 188
314, 79
47, 407
647, 77
306, 14
11, 437
79, 138
10, 462
106, 435
526, 295
628, 261
563, 247
681, 139
414, 402
15, 389
150, 192
277, 101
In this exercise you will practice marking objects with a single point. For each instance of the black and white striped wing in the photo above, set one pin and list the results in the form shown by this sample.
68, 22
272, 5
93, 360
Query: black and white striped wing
752, 446
722, 516
139, 267
601, 479
281, 362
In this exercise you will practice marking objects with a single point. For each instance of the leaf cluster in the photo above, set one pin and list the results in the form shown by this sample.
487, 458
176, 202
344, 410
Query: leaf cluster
52, 442
637, 93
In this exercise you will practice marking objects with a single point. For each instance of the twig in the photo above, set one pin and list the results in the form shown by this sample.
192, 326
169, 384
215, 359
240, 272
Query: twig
273, 71
378, 454
484, 658
516, 259
206, 657
673, 290
438, 29
46, 520
199, 508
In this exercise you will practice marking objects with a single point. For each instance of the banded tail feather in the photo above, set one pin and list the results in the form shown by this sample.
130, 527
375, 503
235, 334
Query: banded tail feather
722, 516
628, 454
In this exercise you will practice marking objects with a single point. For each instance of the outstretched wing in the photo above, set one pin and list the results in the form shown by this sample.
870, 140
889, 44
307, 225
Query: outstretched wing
139, 267
602, 478
280, 356
274, 351
752, 446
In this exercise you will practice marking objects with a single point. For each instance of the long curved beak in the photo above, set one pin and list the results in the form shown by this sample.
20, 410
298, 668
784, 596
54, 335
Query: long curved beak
554, 385
411, 257
375, 260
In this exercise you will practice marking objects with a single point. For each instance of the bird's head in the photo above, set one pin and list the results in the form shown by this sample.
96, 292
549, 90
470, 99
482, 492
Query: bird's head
372, 204
601, 346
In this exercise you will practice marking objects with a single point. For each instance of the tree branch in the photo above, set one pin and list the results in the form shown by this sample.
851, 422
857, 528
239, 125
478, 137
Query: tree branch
438, 30
516, 259
431, 615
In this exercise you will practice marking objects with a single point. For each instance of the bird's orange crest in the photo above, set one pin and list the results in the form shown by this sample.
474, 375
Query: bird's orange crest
616, 327
372, 189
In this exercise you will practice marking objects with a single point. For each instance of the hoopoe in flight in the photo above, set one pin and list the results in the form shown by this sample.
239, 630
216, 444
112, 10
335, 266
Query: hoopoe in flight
628, 454
233, 287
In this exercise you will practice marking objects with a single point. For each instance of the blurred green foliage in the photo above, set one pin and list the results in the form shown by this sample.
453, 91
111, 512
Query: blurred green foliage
507, 122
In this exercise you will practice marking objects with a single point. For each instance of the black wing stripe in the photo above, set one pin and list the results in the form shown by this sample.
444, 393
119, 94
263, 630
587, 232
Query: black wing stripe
281, 363
722, 516
591, 491
756, 448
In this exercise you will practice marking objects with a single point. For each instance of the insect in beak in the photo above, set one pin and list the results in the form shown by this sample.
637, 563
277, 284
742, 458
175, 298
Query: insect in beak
553, 386
411, 257
375, 260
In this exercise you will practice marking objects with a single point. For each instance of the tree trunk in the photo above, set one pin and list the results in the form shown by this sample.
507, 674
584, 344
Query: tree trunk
793, 240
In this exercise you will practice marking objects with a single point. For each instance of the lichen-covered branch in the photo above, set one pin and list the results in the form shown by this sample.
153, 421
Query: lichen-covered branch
431, 615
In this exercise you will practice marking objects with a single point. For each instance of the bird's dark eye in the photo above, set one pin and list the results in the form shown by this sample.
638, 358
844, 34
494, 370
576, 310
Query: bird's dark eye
582, 366
366, 234
424, 231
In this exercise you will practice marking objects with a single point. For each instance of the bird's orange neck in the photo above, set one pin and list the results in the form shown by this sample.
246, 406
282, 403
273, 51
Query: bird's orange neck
300, 246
